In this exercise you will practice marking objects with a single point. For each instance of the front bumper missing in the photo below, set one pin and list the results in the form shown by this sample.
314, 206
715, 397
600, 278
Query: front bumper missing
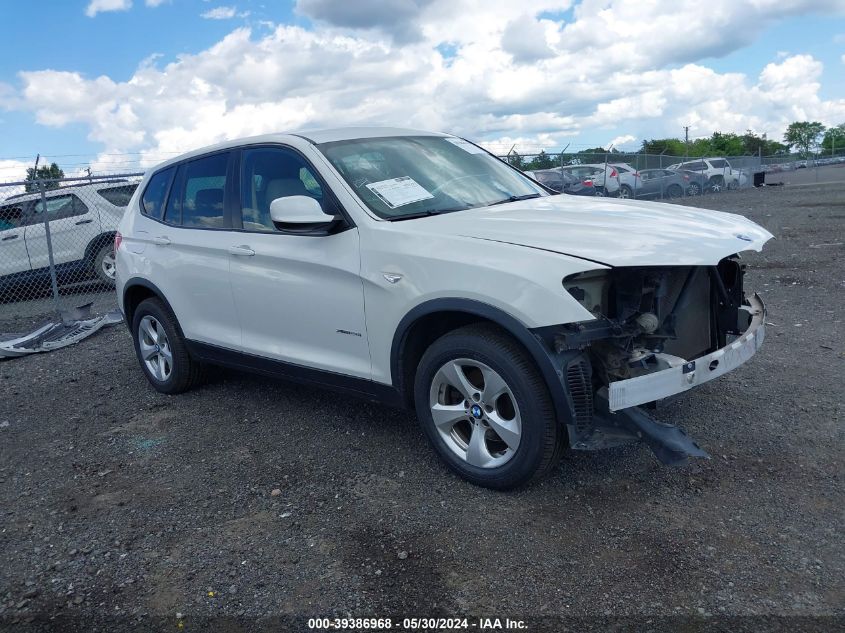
667, 382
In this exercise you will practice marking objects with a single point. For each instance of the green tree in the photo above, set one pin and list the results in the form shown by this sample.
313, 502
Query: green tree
725, 144
45, 172
803, 135
515, 160
541, 161
834, 139
668, 146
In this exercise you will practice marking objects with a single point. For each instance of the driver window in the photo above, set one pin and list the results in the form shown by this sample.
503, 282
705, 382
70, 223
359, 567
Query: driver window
269, 173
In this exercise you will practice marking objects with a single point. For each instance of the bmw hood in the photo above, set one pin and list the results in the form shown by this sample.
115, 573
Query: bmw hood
609, 231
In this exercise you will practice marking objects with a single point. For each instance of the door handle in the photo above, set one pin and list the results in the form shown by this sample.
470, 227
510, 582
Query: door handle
243, 251
88, 221
10, 237
161, 240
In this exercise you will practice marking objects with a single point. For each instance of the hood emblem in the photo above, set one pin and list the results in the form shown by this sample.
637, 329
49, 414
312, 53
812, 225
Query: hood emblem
744, 237
392, 277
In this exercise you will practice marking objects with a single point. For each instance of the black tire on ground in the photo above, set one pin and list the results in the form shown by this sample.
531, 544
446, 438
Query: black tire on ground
186, 372
542, 439
674, 191
625, 192
716, 184
106, 251
694, 189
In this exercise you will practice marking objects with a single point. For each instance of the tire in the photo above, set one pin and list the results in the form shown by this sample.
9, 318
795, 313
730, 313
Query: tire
624, 192
104, 264
600, 192
674, 191
467, 435
716, 184
179, 372
694, 189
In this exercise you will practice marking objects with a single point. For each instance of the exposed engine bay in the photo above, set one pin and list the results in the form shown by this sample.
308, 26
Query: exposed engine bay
650, 326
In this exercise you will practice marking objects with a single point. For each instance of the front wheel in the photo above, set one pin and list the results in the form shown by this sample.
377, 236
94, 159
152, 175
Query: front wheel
485, 408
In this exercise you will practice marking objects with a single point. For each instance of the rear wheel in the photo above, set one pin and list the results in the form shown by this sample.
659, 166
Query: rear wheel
674, 191
485, 408
104, 264
694, 189
625, 192
716, 184
161, 350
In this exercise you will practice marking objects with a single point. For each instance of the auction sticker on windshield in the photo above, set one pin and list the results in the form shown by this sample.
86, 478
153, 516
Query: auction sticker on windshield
397, 192
465, 145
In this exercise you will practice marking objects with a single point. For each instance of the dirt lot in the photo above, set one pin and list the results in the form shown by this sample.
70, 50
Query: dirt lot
120, 506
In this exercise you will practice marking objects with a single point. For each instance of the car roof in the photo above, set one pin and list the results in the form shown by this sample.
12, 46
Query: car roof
102, 184
317, 137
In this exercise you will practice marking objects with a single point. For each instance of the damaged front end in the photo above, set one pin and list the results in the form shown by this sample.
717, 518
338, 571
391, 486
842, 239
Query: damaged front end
657, 332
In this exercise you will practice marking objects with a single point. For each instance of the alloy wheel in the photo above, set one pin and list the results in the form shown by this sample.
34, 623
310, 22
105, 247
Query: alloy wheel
108, 265
155, 348
475, 413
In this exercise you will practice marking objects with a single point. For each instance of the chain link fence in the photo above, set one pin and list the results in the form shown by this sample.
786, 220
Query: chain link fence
57, 246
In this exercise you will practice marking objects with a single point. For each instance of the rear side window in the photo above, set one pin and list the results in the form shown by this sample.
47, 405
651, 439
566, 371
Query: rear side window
118, 196
719, 164
696, 166
152, 203
203, 194
59, 207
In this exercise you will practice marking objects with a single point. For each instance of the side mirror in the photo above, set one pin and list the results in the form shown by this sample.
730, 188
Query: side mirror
298, 210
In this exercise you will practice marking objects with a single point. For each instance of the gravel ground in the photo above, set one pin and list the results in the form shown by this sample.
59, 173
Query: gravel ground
249, 501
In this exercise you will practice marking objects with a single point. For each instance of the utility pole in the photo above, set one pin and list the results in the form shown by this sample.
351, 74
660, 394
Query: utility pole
686, 138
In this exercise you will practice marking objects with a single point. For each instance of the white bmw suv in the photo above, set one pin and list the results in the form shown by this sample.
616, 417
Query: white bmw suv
418, 270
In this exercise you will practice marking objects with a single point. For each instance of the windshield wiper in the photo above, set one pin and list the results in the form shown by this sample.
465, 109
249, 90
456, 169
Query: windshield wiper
425, 214
527, 196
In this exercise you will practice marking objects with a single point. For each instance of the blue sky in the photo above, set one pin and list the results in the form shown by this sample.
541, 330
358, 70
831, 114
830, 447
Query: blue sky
516, 95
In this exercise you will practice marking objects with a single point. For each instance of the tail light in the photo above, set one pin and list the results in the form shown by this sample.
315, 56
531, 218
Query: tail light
636, 174
686, 176
587, 183
118, 238
613, 173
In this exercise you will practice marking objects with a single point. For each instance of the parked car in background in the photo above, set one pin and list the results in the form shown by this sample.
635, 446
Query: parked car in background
628, 179
83, 220
695, 181
661, 183
418, 270
605, 178
718, 172
564, 181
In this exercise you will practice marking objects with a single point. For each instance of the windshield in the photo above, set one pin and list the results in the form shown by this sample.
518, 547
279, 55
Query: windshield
410, 176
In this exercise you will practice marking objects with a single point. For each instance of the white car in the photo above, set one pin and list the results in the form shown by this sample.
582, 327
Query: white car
605, 178
418, 270
718, 173
83, 220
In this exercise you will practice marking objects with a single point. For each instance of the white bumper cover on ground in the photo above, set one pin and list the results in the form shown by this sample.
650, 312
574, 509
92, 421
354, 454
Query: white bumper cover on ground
668, 382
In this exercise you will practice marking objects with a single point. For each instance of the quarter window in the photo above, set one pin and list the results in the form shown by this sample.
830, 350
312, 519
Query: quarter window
11, 217
118, 196
153, 200
269, 173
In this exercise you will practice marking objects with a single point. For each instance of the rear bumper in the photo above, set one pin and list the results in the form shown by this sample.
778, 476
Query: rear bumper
667, 382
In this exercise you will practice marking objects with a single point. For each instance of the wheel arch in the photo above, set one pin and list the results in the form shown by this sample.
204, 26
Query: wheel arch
428, 321
136, 290
97, 243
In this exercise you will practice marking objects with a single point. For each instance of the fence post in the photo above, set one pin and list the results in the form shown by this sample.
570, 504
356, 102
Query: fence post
53, 281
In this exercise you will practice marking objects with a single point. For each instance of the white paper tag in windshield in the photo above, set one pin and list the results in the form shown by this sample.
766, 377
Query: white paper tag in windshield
465, 145
397, 192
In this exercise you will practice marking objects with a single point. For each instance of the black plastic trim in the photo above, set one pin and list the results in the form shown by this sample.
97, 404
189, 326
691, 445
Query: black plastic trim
140, 281
550, 370
359, 387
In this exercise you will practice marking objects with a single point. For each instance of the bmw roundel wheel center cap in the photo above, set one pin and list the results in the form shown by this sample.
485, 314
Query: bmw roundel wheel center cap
476, 411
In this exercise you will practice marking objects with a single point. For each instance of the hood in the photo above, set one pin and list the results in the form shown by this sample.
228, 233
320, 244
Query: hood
606, 230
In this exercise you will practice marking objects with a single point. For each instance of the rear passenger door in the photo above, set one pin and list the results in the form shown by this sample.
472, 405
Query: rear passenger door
72, 227
188, 247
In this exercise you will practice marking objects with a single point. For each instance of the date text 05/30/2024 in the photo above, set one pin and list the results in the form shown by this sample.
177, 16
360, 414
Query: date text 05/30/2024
414, 624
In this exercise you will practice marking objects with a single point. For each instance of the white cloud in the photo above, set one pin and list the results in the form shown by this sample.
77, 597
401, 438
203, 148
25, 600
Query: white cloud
220, 13
626, 141
582, 81
102, 6
13, 171
155, 3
